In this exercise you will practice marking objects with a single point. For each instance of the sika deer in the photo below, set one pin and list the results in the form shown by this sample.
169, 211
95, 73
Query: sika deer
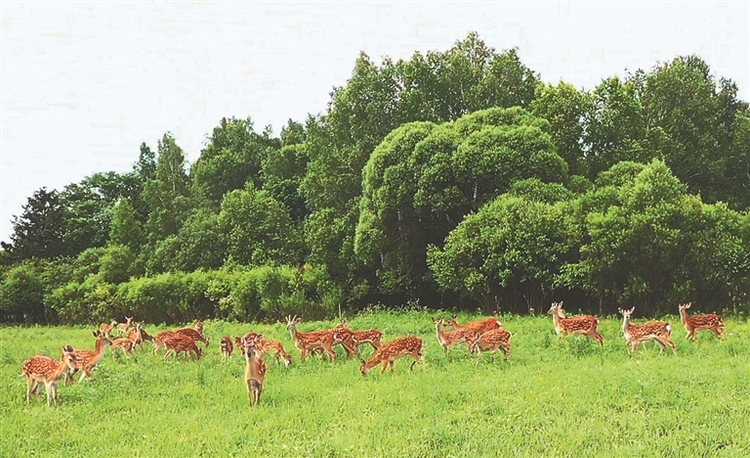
124, 344
199, 327
179, 343
493, 340
308, 341
583, 324
159, 339
654, 330
135, 335
391, 351
275, 348
226, 347
255, 369
42, 369
481, 326
693, 324
106, 329
357, 338
193, 334
447, 339
122, 328
88, 359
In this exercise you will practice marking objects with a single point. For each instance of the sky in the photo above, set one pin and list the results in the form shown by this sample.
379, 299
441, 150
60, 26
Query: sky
83, 84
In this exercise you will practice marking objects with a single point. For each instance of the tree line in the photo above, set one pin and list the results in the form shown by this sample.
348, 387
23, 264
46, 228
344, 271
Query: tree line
453, 179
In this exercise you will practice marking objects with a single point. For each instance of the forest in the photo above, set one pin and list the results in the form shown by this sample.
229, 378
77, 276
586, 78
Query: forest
455, 180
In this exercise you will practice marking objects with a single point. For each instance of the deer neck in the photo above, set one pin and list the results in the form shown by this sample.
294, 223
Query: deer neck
626, 325
440, 333
684, 316
251, 368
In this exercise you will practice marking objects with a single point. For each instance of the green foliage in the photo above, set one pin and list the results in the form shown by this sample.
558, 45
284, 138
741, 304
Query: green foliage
126, 229
39, 231
22, 296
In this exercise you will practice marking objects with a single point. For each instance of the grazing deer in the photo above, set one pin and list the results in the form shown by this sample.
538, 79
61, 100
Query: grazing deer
226, 347
193, 334
369, 336
654, 330
492, 340
124, 344
135, 335
275, 348
308, 341
255, 369
447, 339
389, 352
42, 369
122, 328
481, 326
158, 339
693, 324
583, 324
179, 343
88, 359
106, 329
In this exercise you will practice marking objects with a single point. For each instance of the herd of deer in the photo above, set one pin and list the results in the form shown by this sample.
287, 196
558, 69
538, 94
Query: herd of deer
484, 335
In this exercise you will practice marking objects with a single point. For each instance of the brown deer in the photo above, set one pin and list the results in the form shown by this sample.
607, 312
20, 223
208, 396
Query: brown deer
308, 341
122, 328
493, 340
106, 329
193, 334
255, 369
693, 324
124, 344
357, 338
481, 326
158, 339
389, 352
42, 369
135, 335
88, 359
583, 324
275, 348
226, 347
447, 339
179, 343
198, 327
146, 337
658, 331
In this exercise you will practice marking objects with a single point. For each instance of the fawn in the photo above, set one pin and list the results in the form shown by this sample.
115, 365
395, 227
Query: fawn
391, 351
308, 341
193, 334
693, 324
226, 346
122, 328
481, 326
106, 329
447, 339
493, 340
658, 331
178, 343
42, 369
135, 335
255, 369
584, 324
357, 338
88, 359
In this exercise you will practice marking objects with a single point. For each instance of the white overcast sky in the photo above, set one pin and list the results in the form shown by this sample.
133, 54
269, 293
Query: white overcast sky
84, 84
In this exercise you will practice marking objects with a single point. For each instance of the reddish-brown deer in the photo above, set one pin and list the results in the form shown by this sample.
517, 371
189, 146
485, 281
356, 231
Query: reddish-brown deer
42, 369
193, 334
135, 335
226, 346
124, 344
159, 339
106, 329
447, 339
587, 325
389, 352
122, 328
710, 321
255, 369
308, 341
87, 359
658, 331
493, 340
180, 343
275, 348
357, 338
481, 326
198, 326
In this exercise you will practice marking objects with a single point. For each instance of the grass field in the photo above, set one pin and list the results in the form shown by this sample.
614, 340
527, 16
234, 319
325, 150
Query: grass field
555, 397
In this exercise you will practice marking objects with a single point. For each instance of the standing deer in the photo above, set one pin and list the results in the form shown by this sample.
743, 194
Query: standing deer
308, 341
583, 324
693, 324
255, 369
357, 338
42, 369
135, 335
481, 326
178, 343
159, 339
122, 328
391, 351
654, 330
106, 329
88, 359
492, 340
198, 327
226, 346
447, 339
193, 334
124, 344
275, 348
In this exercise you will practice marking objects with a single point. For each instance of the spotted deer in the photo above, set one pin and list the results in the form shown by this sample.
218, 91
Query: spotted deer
481, 326
357, 338
389, 352
658, 331
308, 341
135, 335
710, 321
587, 325
193, 334
275, 348
106, 329
159, 338
146, 337
198, 326
180, 343
87, 359
42, 369
122, 328
447, 339
226, 346
492, 340
124, 344
255, 369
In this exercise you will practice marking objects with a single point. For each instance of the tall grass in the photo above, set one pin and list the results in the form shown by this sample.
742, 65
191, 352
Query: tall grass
554, 397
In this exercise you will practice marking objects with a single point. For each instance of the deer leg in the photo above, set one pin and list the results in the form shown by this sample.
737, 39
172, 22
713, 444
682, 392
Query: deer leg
385, 365
393, 366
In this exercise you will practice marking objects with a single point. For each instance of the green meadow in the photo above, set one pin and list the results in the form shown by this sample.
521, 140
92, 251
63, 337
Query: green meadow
555, 397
